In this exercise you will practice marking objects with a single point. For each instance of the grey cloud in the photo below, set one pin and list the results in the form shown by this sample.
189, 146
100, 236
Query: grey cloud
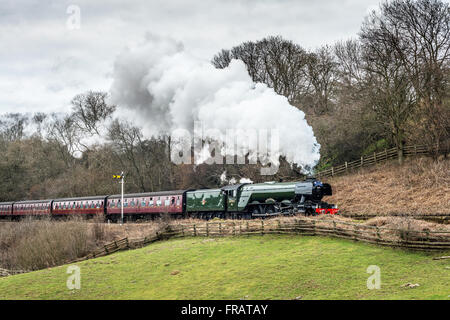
43, 64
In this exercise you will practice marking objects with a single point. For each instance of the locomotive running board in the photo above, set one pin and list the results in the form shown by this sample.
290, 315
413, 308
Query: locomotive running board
269, 214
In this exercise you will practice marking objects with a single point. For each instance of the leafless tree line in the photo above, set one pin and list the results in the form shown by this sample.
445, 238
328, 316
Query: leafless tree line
391, 84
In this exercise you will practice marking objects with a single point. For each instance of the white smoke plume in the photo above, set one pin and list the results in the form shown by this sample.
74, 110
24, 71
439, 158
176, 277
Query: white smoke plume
166, 88
232, 180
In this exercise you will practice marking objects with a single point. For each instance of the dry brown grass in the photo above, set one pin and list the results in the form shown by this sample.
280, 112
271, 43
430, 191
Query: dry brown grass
407, 223
35, 244
421, 186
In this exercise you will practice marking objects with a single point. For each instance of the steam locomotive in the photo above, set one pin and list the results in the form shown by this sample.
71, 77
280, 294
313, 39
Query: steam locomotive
239, 201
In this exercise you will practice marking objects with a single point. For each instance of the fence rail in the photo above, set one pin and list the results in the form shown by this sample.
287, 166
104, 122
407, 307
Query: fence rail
383, 156
402, 238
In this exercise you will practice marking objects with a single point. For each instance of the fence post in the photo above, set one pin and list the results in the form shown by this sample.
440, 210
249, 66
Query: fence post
378, 234
220, 228
262, 227
415, 149
332, 171
247, 227
385, 154
240, 228
279, 226
375, 157
362, 161
314, 227
182, 230
234, 228
346, 166
355, 231
207, 229
334, 227
195, 231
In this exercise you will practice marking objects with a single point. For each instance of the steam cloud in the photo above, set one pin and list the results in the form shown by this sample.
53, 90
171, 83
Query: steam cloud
167, 88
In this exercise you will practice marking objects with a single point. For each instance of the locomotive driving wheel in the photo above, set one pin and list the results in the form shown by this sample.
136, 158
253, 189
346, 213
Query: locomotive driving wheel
255, 210
270, 209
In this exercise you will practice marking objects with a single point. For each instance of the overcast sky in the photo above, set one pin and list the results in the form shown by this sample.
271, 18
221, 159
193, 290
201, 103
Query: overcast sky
45, 59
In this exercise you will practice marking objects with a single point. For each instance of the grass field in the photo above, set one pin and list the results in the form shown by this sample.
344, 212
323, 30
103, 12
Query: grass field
256, 267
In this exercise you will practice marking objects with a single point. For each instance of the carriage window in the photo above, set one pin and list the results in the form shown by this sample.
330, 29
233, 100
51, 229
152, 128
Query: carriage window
173, 201
125, 204
132, 203
158, 202
167, 202
178, 201
118, 204
150, 202
143, 203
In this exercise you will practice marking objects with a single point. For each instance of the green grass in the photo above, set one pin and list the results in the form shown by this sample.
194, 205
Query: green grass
257, 267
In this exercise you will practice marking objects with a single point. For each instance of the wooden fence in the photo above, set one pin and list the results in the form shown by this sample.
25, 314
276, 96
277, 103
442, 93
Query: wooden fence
402, 238
380, 157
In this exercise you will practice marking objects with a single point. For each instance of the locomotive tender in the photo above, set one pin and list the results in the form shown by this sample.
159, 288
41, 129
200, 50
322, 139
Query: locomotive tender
239, 201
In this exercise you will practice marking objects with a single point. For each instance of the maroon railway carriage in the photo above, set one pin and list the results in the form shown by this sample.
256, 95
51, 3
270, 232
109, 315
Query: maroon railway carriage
136, 204
6, 209
85, 206
32, 208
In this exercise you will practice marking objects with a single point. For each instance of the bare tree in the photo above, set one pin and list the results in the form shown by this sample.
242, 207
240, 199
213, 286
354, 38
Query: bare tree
12, 126
322, 73
126, 138
64, 135
418, 35
279, 63
90, 109
38, 119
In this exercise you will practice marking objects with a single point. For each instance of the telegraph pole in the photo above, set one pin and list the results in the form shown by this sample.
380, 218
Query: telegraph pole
122, 181
121, 200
